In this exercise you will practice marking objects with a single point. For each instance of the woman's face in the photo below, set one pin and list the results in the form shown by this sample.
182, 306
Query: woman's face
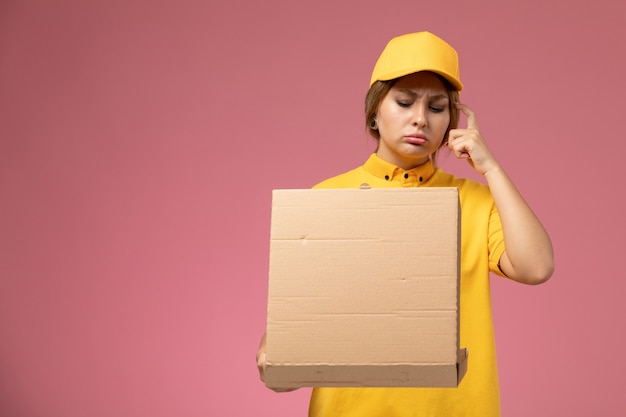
413, 119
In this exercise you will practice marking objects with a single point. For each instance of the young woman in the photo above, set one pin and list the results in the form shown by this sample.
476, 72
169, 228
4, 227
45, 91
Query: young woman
412, 110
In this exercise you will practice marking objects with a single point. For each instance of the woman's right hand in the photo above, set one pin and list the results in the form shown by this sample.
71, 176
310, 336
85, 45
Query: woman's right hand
260, 363
260, 358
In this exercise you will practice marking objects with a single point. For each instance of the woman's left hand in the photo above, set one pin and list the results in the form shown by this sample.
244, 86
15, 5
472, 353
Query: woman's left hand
469, 144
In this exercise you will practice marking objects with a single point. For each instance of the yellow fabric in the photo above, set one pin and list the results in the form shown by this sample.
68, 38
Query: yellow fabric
482, 245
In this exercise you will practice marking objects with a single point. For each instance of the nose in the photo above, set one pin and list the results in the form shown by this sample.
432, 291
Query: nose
420, 115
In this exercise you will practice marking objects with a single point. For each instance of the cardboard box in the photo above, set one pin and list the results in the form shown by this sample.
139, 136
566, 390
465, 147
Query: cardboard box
364, 288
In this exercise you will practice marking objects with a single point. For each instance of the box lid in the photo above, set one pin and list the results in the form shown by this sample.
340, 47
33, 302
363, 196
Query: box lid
363, 288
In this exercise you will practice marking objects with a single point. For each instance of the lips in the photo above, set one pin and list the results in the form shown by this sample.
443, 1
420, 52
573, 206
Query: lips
416, 139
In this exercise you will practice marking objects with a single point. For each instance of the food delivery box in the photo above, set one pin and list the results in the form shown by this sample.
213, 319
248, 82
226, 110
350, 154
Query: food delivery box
364, 288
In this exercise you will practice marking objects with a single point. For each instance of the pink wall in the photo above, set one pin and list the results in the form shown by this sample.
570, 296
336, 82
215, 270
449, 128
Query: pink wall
139, 144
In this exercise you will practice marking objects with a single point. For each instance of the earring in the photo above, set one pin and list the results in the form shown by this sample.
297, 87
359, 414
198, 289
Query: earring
374, 124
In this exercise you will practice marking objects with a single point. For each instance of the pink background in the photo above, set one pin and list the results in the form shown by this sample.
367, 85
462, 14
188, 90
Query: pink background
139, 144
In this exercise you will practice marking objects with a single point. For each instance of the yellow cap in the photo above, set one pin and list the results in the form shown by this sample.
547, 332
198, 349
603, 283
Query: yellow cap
414, 52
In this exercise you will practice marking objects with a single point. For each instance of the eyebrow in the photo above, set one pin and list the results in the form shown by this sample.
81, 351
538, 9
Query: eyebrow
412, 93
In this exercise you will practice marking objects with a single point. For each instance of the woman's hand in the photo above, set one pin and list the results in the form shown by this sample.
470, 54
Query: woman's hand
260, 363
260, 358
469, 144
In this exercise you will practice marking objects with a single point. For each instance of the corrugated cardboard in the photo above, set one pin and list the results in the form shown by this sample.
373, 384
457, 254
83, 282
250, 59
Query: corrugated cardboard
364, 288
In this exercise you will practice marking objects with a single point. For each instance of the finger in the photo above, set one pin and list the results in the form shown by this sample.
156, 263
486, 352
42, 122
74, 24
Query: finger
260, 359
260, 363
456, 148
462, 154
453, 135
469, 114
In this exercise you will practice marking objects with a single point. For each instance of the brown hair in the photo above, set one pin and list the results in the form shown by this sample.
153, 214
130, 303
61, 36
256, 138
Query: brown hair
378, 91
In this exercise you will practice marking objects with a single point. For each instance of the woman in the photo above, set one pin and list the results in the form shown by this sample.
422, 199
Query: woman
412, 110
